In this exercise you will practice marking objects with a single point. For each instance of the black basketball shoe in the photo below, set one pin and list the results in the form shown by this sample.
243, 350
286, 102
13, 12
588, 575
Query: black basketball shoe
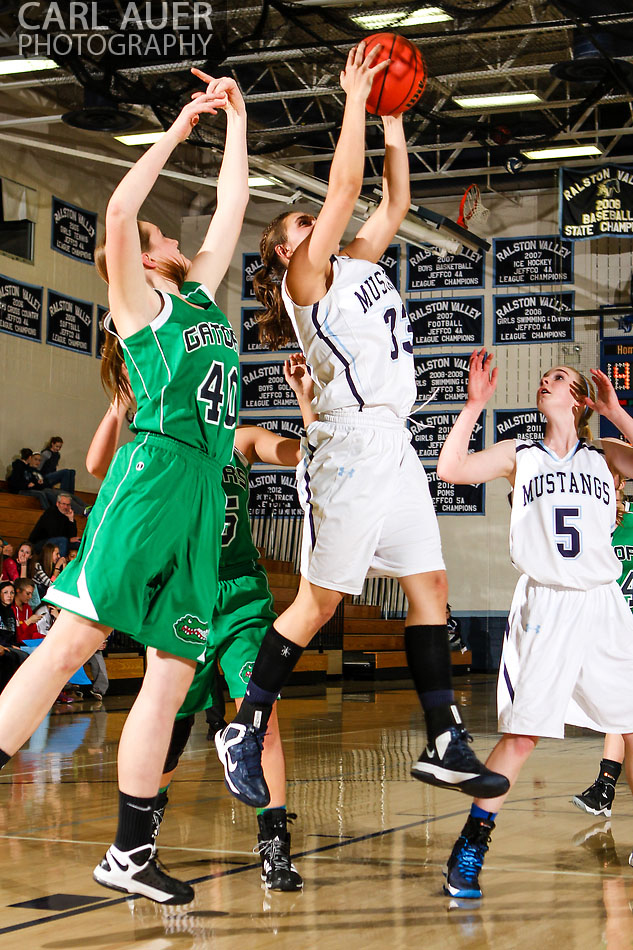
449, 762
597, 799
138, 872
278, 873
467, 859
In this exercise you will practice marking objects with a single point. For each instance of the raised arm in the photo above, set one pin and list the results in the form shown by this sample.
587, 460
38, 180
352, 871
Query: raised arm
212, 260
619, 455
309, 266
106, 439
130, 296
380, 228
455, 464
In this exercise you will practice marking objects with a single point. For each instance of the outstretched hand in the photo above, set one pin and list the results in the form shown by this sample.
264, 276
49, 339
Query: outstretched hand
297, 376
190, 114
358, 76
606, 401
224, 89
481, 381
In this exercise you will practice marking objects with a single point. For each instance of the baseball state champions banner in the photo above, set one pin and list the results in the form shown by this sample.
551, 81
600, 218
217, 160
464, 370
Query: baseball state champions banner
596, 202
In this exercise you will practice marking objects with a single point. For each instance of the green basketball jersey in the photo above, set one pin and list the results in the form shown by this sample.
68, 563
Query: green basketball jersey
184, 372
238, 554
622, 541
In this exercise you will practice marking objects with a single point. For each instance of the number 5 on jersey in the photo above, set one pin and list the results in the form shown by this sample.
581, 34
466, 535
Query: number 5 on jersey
212, 392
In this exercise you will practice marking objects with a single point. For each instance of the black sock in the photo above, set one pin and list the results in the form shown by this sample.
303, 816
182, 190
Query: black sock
273, 823
135, 822
275, 662
609, 771
4, 758
429, 659
440, 718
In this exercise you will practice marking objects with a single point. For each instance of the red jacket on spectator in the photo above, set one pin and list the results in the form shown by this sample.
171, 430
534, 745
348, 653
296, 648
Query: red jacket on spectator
24, 631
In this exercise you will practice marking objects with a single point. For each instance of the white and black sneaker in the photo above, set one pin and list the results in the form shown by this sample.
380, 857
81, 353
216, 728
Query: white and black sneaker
278, 872
138, 872
240, 752
597, 799
449, 762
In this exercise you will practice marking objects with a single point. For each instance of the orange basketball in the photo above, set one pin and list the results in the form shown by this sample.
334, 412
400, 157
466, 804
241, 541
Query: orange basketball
400, 86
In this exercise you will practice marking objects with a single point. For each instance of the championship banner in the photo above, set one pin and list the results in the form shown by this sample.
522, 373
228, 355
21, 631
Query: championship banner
251, 263
533, 260
249, 335
390, 263
264, 387
427, 271
73, 231
533, 318
446, 374
456, 499
101, 333
288, 427
21, 309
69, 323
430, 429
526, 424
273, 493
442, 321
596, 202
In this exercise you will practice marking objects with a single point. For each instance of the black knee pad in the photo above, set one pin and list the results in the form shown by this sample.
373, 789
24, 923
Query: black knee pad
179, 738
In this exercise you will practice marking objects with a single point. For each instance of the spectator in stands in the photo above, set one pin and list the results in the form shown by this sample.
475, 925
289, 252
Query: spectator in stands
97, 667
49, 567
26, 619
10, 655
56, 526
26, 480
64, 477
78, 506
18, 566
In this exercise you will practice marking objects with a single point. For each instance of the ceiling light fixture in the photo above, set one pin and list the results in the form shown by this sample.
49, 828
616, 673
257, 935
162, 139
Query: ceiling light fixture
376, 21
497, 99
12, 65
140, 138
561, 151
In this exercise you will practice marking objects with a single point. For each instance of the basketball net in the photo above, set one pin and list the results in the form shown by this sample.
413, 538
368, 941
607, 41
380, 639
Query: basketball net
472, 212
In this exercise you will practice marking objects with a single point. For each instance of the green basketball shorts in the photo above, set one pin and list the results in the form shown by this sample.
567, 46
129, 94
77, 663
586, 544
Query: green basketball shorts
148, 561
242, 616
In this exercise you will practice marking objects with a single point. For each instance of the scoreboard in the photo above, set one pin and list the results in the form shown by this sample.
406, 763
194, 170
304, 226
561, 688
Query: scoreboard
616, 361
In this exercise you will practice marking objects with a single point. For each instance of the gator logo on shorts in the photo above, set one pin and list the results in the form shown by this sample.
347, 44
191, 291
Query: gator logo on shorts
191, 629
245, 672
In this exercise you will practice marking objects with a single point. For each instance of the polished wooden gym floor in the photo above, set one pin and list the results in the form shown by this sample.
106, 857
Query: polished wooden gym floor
369, 841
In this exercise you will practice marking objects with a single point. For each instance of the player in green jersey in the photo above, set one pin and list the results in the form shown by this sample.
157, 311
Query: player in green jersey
598, 798
243, 613
181, 356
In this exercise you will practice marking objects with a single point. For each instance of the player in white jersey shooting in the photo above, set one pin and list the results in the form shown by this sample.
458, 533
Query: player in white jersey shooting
554, 667
364, 492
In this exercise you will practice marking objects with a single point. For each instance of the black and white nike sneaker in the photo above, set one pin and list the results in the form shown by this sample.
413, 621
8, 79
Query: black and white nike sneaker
240, 752
138, 872
449, 762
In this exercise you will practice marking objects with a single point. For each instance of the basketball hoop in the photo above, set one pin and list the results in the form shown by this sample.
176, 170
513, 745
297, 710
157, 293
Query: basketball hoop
472, 212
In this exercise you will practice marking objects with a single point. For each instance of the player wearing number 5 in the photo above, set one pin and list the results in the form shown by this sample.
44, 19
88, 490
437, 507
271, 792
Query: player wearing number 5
568, 649
363, 490
181, 358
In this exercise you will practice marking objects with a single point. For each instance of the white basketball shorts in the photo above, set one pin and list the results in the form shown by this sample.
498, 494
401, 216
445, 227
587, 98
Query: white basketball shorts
367, 505
567, 658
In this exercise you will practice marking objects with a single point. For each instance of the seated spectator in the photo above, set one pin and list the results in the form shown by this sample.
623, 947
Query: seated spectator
48, 568
56, 526
64, 477
6, 552
10, 655
26, 620
26, 480
78, 506
18, 566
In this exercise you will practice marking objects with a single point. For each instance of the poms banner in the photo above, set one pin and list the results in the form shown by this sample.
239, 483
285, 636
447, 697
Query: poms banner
596, 202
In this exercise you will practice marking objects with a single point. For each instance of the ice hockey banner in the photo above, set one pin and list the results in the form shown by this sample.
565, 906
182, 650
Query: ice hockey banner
596, 202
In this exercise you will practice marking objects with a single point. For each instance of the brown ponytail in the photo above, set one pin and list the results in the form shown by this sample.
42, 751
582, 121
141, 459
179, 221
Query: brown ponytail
587, 389
275, 328
114, 376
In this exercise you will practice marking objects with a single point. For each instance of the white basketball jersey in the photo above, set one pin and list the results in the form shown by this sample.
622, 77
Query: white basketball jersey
563, 513
357, 341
